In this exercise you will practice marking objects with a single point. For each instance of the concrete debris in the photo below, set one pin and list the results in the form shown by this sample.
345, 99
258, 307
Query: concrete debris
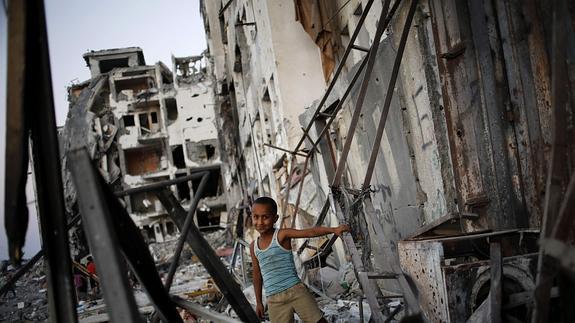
334, 283
27, 301
343, 311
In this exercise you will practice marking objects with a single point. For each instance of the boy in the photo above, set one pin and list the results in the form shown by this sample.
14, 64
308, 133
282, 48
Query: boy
274, 265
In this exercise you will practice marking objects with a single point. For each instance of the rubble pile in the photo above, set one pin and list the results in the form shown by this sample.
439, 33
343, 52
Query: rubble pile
28, 300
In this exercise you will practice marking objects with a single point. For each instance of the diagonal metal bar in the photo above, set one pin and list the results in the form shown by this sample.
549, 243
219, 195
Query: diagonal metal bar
389, 95
136, 252
350, 86
361, 95
339, 106
202, 249
356, 76
102, 238
160, 185
337, 71
285, 150
189, 220
368, 286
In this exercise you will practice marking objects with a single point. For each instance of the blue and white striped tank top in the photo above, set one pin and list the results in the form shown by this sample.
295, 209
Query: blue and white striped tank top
277, 267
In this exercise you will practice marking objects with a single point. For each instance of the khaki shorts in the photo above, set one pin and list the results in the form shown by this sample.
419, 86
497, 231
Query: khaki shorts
297, 299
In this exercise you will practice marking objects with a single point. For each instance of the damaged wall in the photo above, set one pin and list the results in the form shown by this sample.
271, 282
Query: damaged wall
468, 132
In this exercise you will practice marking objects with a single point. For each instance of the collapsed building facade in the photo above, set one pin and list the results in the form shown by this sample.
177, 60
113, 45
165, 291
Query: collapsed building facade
459, 172
149, 125
441, 131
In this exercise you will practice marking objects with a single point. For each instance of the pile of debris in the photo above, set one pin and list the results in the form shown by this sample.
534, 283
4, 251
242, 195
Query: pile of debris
27, 299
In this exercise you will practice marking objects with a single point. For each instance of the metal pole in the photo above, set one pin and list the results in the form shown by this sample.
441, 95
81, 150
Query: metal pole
219, 272
361, 96
389, 95
159, 185
102, 239
189, 220
38, 110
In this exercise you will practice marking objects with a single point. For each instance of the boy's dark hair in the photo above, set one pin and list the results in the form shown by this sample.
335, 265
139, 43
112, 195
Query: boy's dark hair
264, 200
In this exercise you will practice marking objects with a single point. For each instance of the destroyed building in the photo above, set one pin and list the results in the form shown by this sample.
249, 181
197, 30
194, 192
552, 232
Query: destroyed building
151, 124
441, 131
445, 151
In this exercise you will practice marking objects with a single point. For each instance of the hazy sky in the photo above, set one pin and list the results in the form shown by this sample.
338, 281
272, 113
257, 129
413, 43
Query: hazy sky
160, 28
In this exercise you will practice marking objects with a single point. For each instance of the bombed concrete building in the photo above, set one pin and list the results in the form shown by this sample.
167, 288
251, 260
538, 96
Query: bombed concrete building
427, 125
440, 131
151, 124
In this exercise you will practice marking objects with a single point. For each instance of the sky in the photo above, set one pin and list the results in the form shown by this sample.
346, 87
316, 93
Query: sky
160, 28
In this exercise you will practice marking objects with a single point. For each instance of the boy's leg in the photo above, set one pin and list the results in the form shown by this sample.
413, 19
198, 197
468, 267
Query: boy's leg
305, 305
279, 309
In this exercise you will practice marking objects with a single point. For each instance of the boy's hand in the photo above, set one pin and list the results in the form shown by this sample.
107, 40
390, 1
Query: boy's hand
341, 229
260, 311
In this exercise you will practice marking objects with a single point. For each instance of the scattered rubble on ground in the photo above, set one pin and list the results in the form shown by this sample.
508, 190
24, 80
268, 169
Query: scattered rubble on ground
191, 282
28, 300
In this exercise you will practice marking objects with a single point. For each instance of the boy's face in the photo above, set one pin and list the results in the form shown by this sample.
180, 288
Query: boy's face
263, 217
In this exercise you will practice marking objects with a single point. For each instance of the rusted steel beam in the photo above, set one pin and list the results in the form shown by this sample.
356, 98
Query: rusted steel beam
389, 95
338, 70
361, 95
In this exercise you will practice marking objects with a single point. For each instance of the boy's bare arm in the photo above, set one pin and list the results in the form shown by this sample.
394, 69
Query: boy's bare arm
257, 278
311, 232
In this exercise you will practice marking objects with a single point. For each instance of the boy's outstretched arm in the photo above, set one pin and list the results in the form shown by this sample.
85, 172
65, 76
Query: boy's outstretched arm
311, 232
257, 278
